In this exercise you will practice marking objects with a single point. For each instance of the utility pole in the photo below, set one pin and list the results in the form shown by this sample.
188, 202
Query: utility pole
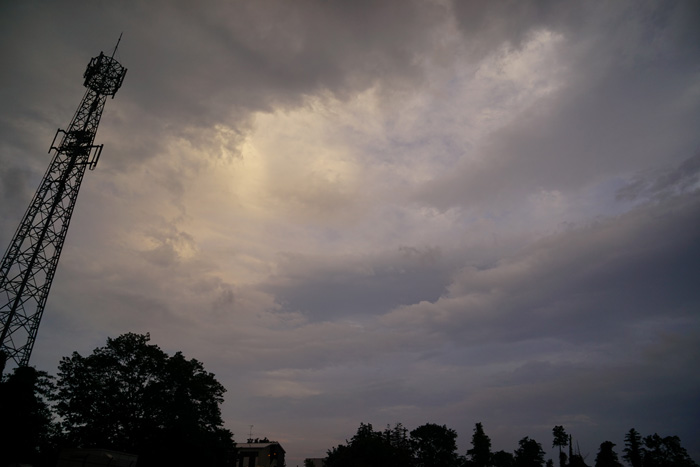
29, 264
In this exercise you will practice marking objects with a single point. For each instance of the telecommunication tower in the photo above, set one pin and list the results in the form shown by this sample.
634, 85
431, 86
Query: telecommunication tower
29, 264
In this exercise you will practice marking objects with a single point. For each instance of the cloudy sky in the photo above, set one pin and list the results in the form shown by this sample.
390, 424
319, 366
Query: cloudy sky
381, 211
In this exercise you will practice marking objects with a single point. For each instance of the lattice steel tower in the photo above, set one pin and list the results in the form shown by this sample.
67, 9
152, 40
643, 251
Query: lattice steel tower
30, 261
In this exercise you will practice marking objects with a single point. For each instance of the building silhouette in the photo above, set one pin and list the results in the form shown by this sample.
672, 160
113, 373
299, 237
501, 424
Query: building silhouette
260, 453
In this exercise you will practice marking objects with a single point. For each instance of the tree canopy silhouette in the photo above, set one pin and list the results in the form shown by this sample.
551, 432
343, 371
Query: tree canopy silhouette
633, 448
27, 430
434, 445
561, 439
131, 396
371, 448
480, 453
429, 445
529, 453
607, 457
503, 459
665, 452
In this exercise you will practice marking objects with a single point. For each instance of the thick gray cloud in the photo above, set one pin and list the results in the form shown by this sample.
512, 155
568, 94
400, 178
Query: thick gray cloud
445, 212
582, 285
332, 287
663, 182
628, 98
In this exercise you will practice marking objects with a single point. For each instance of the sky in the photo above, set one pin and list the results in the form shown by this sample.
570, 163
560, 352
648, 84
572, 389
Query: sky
381, 211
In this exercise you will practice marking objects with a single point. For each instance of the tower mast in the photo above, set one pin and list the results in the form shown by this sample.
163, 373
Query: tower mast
29, 264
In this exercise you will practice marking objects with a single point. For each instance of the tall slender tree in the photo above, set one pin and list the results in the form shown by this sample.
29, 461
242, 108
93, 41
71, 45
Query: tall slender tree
480, 453
400, 443
633, 452
561, 439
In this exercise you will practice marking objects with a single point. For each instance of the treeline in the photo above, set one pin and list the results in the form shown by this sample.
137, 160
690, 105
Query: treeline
127, 396
432, 445
130, 396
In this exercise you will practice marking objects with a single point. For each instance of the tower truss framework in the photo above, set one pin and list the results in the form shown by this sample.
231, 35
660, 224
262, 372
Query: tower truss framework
29, 264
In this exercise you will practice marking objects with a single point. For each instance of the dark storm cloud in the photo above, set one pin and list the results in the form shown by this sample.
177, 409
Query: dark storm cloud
488, 25
668, 182
630, 99
348, 287
585, 285
192, 67
595, 400
492, 24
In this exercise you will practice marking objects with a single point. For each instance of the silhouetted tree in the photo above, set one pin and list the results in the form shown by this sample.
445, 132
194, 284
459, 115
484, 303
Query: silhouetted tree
27, 430
480, 453
339, 456
665, 452
434, 446
633, 448
401, 444
367, 448
131, 396
529, 453
502, 459
607, 457
577, 460
561, 439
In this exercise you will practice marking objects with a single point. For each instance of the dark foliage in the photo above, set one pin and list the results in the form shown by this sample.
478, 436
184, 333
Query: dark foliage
480, 453
401, 444
27, 430
665, 452
607, 457
369, 448
131, 396
503, 459
577, 460
429, 445
561, 439
434, 446
633, 448
529, 453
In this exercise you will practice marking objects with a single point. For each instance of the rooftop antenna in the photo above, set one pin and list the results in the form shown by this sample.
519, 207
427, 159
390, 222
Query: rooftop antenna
250, 434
